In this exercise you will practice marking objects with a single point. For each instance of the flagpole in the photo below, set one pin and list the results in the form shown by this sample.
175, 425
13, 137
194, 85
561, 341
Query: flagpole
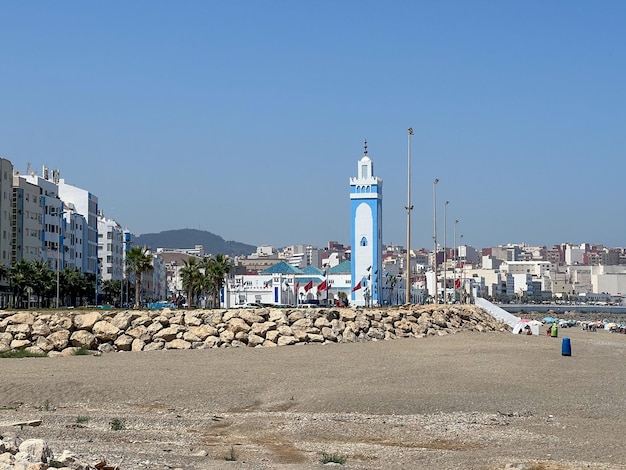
409, 207
327, 285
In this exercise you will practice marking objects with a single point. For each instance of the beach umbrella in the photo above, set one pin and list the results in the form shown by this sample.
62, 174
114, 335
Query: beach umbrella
534, 322
549, 320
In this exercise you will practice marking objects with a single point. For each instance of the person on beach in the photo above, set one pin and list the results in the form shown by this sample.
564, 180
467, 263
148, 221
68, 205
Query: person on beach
554, 331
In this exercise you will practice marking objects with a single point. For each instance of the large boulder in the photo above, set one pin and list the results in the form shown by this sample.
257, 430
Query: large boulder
59, 339
105, 331
236, 325
124, 342
83, 339
178, 344
25, 318
203, 331
34, 451
86, 321
122, 320
250, 317
40, 328
168, 334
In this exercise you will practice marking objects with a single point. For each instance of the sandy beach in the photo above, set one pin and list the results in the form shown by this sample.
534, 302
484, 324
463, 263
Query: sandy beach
468, 400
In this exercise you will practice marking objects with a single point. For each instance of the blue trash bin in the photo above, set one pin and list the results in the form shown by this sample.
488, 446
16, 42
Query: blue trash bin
566, 347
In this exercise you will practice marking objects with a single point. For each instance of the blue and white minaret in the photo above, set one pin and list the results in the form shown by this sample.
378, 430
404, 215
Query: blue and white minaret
366, 211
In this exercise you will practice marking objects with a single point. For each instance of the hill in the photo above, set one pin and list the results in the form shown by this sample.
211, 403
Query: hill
189, 238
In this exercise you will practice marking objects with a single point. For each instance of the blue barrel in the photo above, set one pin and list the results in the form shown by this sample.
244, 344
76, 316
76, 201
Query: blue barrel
566, 347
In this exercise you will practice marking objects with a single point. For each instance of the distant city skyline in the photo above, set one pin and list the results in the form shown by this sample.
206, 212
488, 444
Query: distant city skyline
246, 119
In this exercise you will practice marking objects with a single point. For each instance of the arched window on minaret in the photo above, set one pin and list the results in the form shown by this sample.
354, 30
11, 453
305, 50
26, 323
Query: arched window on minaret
364, 241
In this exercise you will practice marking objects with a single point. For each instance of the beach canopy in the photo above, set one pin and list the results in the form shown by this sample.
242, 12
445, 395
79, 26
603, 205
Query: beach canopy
523, 327
549, 320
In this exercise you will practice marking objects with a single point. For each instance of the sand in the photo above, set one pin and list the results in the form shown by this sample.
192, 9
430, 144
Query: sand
467, 400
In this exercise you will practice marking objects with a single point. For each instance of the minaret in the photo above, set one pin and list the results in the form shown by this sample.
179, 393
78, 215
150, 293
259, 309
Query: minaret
366, 211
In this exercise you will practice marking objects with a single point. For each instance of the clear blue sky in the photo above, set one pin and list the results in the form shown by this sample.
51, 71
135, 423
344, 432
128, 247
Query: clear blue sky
247, 118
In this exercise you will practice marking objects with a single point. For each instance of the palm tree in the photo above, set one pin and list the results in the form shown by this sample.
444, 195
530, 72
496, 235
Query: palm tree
111, 289
192, 278
216, 270
21, 279
42, 280
71, 284
138, 261
5, 273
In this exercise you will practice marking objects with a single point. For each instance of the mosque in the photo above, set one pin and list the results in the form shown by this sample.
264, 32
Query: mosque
361, 281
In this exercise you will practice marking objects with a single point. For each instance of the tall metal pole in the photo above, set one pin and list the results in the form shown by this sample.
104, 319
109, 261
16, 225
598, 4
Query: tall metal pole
435, 237
445, 252
58, 258
60, 215
462, 287
409, 207
454, 258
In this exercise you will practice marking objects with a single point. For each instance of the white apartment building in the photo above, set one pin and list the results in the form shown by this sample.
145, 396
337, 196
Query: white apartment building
158, 290
110, 249
27, 222
52, 211
73, 242
608, 279
85, 204
574, 254
6, 213
535, 268
6, 225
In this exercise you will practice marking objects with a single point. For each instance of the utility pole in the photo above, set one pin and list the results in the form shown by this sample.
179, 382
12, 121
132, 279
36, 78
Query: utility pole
409, 208
445, 252
435, 237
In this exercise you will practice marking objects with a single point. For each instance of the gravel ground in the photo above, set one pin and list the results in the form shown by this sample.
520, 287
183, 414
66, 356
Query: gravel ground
462, 401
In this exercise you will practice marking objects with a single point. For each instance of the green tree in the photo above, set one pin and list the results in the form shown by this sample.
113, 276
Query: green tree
215, 271
42, 281
22, 275
71, 282
111, 290
138, 261
192, 279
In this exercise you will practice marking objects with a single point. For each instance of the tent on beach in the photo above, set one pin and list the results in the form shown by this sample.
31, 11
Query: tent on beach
522, 328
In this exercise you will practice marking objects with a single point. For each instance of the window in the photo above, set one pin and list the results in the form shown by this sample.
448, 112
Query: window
363, 241
364, 171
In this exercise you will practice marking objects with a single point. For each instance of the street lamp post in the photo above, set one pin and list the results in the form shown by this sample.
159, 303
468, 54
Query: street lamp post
461, 286
445, 252
435, 237
409, 207
454, 259
59, 243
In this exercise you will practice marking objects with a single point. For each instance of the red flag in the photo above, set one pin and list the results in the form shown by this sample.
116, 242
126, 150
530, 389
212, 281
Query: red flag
323, 286
457, 283
357, 287
297, 286
308, 287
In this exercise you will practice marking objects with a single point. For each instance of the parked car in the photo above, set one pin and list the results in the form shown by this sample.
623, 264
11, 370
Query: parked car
249, 305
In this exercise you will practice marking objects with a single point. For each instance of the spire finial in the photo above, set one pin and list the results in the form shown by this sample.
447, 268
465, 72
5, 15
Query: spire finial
365, 145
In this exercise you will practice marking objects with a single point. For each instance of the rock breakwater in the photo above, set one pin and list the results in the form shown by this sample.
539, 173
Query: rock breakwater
65, 332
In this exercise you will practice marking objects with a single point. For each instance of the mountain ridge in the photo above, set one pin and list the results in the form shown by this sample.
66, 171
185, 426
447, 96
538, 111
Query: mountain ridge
188, 238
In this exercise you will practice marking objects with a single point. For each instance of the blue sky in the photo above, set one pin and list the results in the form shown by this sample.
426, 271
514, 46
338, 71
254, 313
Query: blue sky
247, 118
